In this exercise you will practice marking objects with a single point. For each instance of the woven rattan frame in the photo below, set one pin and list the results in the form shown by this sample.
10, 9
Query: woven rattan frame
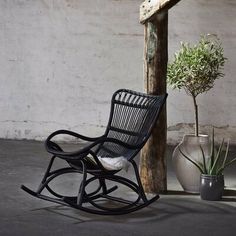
132, 117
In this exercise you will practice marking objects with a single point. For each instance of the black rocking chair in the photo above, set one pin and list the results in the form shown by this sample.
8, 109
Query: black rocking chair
132, 118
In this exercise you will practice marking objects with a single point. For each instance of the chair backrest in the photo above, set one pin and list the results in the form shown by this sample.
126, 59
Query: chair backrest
132, 118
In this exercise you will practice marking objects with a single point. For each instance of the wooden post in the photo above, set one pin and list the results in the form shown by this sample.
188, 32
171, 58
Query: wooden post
154, 16
152, 163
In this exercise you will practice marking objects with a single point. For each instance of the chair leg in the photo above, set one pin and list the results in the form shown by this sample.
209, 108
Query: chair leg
103, 184
44, 184
81, 192
47, 173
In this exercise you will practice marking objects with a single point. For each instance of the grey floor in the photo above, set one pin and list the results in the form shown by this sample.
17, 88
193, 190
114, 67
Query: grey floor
175, 213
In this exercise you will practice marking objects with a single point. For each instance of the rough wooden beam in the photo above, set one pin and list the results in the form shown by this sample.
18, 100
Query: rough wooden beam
152, 162
149, 8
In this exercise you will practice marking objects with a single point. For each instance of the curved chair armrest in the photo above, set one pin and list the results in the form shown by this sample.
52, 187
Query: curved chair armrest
55, 149
71, 133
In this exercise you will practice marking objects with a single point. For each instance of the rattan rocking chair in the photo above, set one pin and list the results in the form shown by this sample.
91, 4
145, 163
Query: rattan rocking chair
132, 118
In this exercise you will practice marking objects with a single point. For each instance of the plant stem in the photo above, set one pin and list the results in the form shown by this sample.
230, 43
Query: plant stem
196, 115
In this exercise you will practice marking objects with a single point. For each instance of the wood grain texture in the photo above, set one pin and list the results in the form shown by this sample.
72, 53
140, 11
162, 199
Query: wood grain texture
152, 163
149, 8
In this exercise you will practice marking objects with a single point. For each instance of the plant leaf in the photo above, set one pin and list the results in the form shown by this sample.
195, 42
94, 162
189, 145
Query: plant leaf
212, 148
192, 161
225, 157
204, 160
230, 162
214, 167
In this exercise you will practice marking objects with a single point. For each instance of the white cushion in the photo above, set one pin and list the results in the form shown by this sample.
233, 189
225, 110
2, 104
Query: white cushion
114, 163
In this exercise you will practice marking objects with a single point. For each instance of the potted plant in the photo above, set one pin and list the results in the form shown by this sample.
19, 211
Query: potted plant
195, 69
211, 169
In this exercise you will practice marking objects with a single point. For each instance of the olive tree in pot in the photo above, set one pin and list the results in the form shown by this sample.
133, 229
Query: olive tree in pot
195, 69
211, 169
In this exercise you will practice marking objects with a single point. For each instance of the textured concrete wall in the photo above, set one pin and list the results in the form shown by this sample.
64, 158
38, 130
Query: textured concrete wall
188, 20
61, 60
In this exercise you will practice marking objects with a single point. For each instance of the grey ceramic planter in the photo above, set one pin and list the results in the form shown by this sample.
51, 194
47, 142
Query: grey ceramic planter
187, 173
211, 187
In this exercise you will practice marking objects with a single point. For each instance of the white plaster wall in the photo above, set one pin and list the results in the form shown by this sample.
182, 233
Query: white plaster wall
61, 60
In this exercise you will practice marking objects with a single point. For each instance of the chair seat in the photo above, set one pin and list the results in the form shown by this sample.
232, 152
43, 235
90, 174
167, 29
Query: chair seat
90, 166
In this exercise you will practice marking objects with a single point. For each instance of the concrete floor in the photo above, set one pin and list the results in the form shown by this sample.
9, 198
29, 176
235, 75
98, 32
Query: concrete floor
177, 213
